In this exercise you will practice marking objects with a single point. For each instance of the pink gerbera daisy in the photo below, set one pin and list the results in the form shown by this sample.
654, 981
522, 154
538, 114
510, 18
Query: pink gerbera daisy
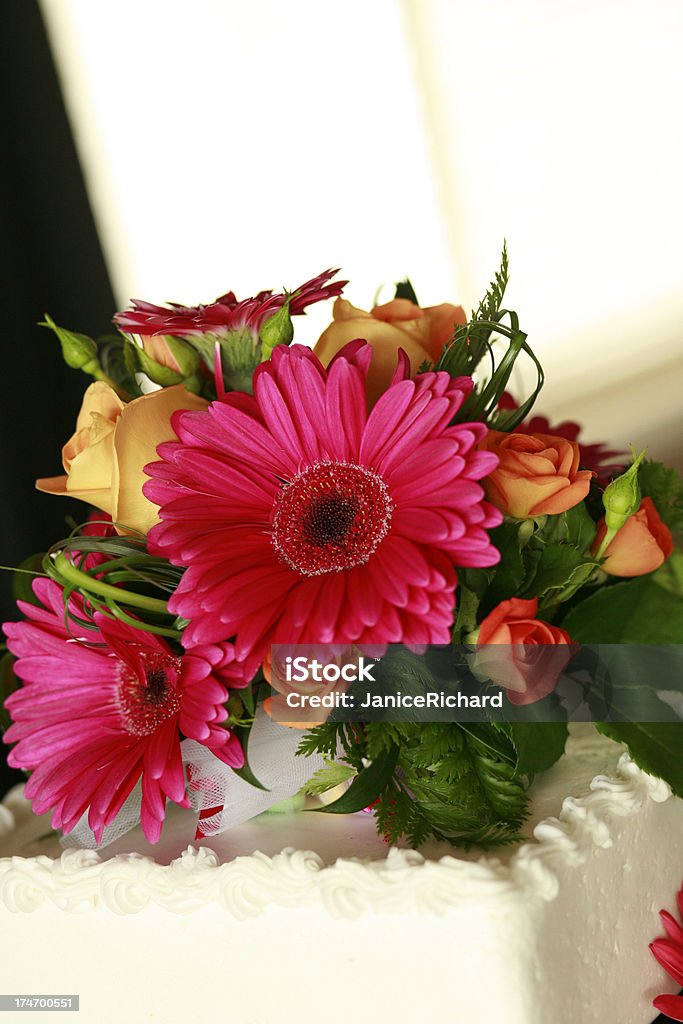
90, 721
669, 954
303, 518
226, 314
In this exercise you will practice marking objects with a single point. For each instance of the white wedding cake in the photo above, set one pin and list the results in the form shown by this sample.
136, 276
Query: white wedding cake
306, 917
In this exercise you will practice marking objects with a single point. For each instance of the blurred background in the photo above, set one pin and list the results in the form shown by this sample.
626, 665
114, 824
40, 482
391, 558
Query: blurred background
158, 151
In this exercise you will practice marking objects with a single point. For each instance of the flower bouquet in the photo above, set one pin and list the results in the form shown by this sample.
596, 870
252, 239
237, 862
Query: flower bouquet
382, 489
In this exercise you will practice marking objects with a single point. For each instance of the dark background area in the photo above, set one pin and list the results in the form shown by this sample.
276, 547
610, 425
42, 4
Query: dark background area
50, 261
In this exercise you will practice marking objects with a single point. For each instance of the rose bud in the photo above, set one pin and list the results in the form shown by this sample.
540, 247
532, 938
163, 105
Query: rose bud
640, 546
537, 474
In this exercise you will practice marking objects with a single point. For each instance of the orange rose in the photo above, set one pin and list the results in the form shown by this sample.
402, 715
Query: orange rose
534, 656
275, 673
640, 546
421, 333
113, 441
537, 474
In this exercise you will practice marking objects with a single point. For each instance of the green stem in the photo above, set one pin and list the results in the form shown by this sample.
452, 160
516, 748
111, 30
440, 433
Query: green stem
64, 568
146, 626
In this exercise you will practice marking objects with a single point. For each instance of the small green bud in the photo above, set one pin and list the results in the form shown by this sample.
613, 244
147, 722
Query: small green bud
79, 351
277, 330
622, 497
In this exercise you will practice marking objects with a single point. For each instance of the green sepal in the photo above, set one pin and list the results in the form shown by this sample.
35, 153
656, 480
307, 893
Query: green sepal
367, 785
277, 330
162, 375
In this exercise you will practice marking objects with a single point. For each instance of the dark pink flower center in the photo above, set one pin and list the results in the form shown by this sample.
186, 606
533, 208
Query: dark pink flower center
331, 516
150, 695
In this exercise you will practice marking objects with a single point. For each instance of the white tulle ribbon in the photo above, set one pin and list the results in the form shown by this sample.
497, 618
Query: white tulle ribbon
211, 784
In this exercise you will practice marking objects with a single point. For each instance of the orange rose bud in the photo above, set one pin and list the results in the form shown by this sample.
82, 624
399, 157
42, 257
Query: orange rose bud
532, 672
537, 474
641, 545
399, 324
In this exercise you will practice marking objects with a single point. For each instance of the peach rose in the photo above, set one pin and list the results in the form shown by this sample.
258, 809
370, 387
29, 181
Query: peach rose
641, 545
537, 474
113, 441
534, 656
421, 333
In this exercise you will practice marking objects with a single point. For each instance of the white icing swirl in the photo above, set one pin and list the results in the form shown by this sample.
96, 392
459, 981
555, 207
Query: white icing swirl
404, 881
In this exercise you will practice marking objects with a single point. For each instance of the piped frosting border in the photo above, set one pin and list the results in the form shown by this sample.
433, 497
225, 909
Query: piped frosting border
403, 882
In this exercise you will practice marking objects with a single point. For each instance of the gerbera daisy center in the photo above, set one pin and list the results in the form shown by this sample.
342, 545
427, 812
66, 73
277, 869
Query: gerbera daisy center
331, 516
149, 696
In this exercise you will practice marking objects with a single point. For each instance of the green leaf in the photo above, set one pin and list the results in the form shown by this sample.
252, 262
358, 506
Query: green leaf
367, 785
560, 567
24, 575
637, 611
580, 527
243, 733
656, 747
405, 290
509, 574
670, 575
333, 774
665, 487
538, 744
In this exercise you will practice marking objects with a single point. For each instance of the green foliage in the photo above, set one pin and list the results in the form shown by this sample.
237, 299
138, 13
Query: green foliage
538, 744
493, 299
656, 747
126, 577
455, 783
471, 343
329, 777
638, 611
560, 567
115, 352
665, 487
367, 785
24, 575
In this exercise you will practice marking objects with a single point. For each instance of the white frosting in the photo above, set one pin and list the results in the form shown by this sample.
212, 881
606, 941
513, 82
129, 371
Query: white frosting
403, 881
